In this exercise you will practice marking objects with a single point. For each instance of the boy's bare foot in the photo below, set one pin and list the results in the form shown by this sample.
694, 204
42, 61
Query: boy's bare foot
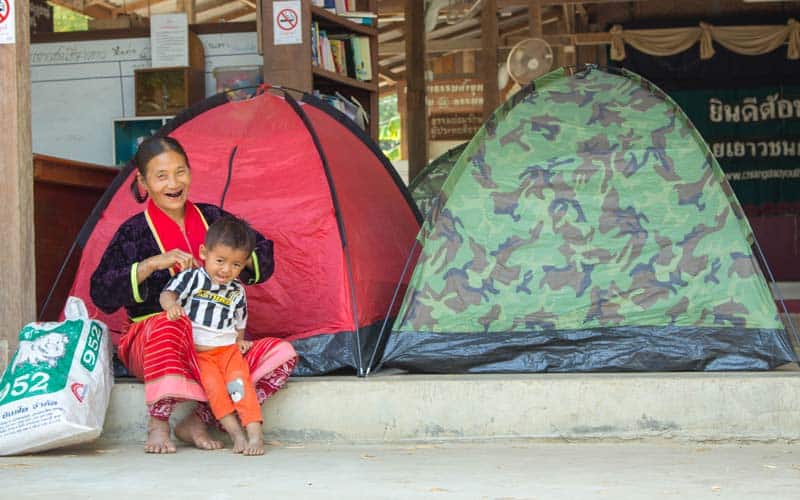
239, 442
158, 437
192, 430
255, 440
231, 425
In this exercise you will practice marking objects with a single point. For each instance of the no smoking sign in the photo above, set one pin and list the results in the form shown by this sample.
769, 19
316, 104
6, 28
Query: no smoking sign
286, 22
5, 10
7, 29
287, 19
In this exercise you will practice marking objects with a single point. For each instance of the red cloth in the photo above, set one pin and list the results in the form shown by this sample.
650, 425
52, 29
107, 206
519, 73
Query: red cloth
169, 234
161, 353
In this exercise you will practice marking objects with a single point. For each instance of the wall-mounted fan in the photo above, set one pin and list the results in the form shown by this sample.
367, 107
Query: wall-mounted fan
529, 59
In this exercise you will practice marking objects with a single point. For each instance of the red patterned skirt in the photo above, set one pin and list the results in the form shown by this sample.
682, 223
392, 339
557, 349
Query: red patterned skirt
161, 353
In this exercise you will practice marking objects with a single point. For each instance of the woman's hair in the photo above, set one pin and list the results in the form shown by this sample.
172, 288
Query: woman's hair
149, 149
232, 232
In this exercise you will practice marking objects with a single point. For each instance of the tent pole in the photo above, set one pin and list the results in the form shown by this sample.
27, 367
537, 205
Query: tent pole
391, 306
339, 223
777, 291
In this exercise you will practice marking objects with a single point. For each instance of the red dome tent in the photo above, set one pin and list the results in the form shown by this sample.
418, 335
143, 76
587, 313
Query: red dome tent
307, 178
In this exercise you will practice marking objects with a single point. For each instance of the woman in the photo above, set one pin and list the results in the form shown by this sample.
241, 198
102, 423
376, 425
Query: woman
145, 252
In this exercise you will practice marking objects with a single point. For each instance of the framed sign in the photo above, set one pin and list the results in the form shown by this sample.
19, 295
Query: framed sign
454, 95
453, 126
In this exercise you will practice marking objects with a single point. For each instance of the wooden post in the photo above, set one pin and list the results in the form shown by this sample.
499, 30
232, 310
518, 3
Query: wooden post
18, 291
416, 110
570, 57
190, 11
287, 65
535, 18
489, 38
402, 107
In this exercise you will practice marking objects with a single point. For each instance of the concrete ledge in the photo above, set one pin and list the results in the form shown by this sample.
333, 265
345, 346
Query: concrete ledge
395, 408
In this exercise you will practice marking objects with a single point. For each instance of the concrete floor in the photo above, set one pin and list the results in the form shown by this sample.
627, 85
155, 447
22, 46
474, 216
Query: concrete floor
496, 470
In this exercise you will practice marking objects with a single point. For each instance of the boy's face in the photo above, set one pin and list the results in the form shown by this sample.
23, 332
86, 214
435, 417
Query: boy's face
223, 263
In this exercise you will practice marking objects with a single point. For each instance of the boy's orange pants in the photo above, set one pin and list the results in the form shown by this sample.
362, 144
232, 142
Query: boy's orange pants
226, 379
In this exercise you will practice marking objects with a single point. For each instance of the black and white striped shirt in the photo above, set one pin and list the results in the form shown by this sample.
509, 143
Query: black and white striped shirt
216, 311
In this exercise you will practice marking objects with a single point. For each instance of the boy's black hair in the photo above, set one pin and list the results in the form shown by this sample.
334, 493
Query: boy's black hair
232, 232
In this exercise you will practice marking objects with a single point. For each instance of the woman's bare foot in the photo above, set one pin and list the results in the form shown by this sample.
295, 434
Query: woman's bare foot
158, 437
192, 430
255, 440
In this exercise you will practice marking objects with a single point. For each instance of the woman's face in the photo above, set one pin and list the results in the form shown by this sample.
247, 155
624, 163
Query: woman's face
167, 179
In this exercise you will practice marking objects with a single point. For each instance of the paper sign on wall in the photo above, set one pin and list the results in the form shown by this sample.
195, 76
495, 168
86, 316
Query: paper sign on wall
286, 22
7, 28
169, 40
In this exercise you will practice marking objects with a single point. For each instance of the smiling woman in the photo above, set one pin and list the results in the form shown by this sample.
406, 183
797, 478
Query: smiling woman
146, 251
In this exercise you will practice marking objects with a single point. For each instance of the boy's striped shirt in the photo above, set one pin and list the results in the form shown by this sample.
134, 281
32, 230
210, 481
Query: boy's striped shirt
215, 308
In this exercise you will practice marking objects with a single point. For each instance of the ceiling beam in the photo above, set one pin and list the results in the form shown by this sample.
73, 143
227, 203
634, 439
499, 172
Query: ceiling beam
139, 4
213, 4
466, 40
230, 15
501, 4
433, 46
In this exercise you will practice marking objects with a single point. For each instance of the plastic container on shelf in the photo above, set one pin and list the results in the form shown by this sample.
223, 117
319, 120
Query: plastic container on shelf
240, 82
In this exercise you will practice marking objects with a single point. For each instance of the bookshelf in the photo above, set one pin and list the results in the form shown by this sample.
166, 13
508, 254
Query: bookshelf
291, 65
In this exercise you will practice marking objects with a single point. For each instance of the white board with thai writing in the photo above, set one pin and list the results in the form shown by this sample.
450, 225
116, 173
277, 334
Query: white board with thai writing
79, 88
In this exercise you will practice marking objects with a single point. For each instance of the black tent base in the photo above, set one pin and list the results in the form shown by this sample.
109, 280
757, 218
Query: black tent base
336, 353
665, 348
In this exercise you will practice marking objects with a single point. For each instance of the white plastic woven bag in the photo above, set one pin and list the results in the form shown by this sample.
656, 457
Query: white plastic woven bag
55, 390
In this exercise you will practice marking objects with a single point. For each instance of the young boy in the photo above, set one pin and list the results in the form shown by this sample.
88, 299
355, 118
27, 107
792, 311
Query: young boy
214, 302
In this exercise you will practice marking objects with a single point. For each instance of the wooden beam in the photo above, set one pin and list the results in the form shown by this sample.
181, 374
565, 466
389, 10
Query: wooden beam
140, 4
535, 18
491, 94
433, 46
287, 65
191, 11
205, 7
98, 12
503, 4
416, 123
18, 291
230, 15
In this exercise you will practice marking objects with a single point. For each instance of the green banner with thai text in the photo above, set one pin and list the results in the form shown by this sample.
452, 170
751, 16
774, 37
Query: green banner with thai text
755, 135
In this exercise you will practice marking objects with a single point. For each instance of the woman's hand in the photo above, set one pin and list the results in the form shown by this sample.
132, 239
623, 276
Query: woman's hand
174, 257
175, 311
244, 345
164, 261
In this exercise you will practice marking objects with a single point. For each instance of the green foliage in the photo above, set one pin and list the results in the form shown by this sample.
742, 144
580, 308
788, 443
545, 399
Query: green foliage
389, 130
65, 19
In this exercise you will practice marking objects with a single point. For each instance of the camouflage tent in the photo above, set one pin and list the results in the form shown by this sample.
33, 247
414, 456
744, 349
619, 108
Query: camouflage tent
587, 227
427, 184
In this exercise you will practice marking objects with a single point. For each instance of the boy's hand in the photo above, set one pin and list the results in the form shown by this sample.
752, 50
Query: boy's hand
244, 345
175, 311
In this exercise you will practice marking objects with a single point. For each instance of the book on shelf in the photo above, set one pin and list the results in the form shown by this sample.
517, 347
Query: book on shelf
362, 58
338, 52
315, 43
351, 108
344, 53
345, 41
342, 7
361, 17
326, 4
